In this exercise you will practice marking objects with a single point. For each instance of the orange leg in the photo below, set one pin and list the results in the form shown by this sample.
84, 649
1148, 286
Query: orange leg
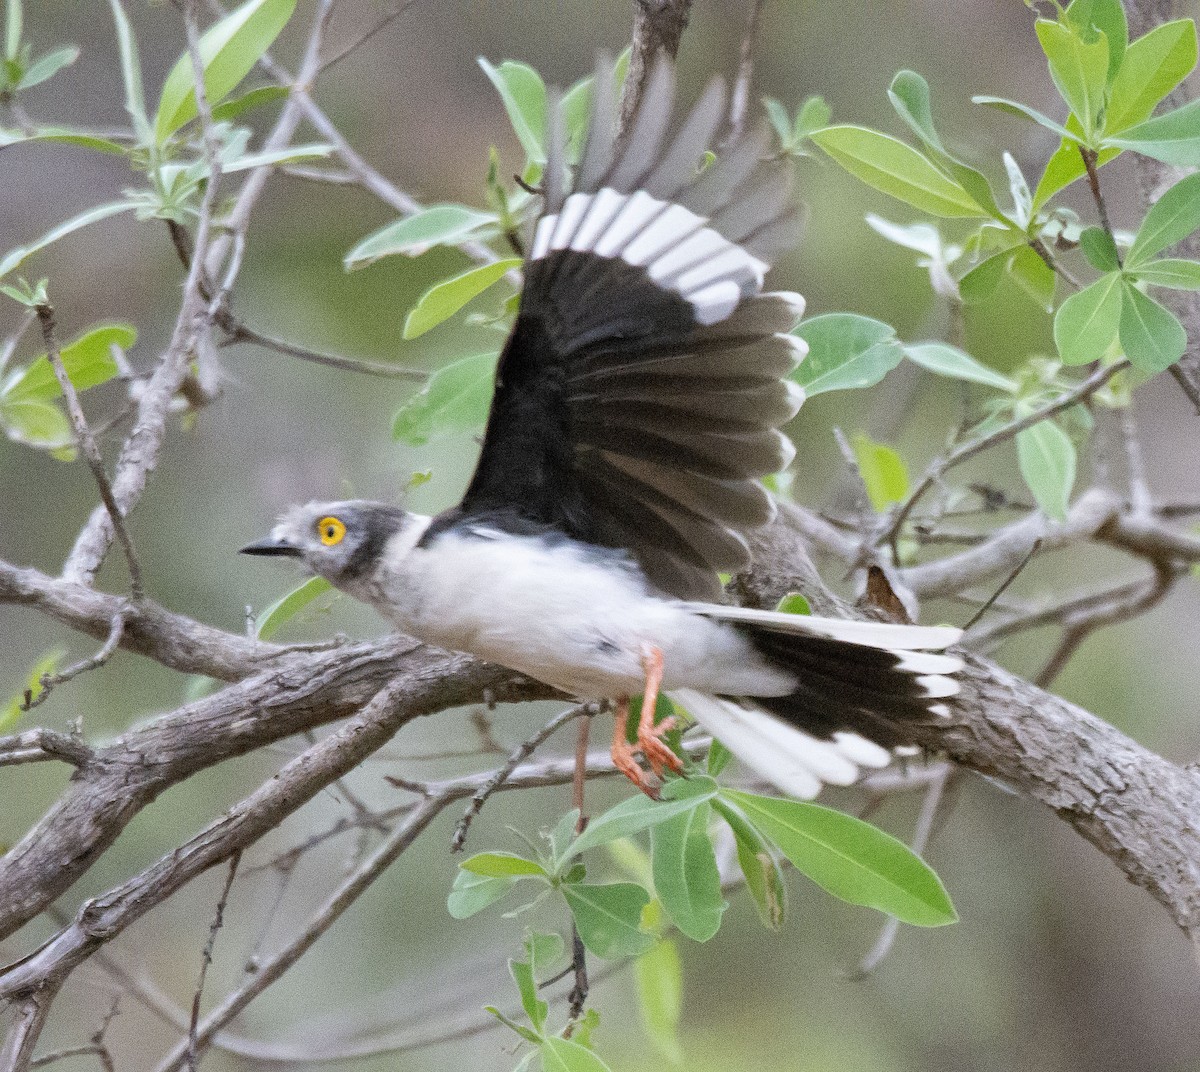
623, 752
650, 741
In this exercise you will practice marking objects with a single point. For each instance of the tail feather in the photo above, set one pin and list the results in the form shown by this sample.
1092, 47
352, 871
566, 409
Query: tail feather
861, 690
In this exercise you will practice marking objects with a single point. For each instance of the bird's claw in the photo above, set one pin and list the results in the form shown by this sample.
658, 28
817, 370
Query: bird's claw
657, 752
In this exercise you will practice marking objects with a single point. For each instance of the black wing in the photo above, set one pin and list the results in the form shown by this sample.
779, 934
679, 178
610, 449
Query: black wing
638, 396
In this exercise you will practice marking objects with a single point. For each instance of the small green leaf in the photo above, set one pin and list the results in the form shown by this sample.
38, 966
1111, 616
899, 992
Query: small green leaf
1087, 323
454, 401
1173, 138
87, 361
14, 258
814, 114
1023, 111
1171, 219
909, 94
759, 864
438, 225
794, 603
1107, 16
946, 360
253, 98
11, 713
271, 158
1019, 189
1153, 65
883, 472
473, 893
1047, 459
14, 17
608, 917
131, 74
686, 879
228, 50
1065, 166
851, 859
1033, 275
980, 282
845, 351
897, 169
780, 120
287, 607
48, 65
524, 95
639, 813
1170, 272
501, 865
444, 299
1099, 249
563, 1055
1152, 338
36, 424
1079, 68
717, 759
536, 1010
63, 135
659, 979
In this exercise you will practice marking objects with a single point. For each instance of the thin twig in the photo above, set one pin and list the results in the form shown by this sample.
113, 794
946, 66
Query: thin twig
1090, 157
383, 21
1052, 262
739, 99
1016, 572
87, 445
49, 681
206, 959
577, 999
41, 744
942, 465
521, 753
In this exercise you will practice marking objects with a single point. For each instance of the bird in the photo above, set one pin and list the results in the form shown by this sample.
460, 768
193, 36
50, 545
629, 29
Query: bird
637, 407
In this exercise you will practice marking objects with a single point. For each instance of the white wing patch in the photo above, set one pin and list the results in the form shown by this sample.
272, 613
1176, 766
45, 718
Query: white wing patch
673, 244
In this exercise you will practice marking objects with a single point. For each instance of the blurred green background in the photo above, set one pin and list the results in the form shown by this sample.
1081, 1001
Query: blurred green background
1058, 963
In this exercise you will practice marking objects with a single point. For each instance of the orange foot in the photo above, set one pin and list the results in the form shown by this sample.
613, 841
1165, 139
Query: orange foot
650, 743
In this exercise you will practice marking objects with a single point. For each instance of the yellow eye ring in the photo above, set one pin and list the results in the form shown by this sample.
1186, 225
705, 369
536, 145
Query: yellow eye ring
331, 530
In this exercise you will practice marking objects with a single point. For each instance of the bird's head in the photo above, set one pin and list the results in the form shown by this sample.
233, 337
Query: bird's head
340, 541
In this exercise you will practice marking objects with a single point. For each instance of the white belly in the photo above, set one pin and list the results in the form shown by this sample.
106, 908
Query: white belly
565, 617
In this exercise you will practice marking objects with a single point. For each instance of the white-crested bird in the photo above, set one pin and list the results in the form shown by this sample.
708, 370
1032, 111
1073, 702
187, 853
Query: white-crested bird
637, 404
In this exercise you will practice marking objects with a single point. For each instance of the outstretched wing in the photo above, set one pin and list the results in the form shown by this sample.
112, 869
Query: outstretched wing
639, 394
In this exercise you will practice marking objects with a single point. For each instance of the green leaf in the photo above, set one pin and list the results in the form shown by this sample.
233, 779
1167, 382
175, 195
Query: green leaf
1173, 138
1033, 275
717, 759
883, 472
14, 16
851, 859
1087, 323
438, 225
63, 135
11, 713
608, 917
909, 94
1046, 456
1107, 16
845, 351
1171, 219
524, 95
686, 879
228, 51
253, 98
759, 864
1019, 189
794, 603
1153, 65
946, 360
48, 65
1170, 272
814, 114
14, 258
1023, 111
287, 607
36, 424
1099, 249
87, 361
639, 813
563, 1055
473, 893
444, 299
454, 401
659, 979
780, 120
131, 74
889, 165
1152, 338
501, 865
1079, 69
1065, 166
536, 1010
980, 282
270, 158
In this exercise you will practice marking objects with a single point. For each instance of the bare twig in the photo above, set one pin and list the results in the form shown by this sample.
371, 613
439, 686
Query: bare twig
658, 26
93, 662
16, 1054
1090, 157
1016, 572
739, 99
384, 20
218, 922
91, 453
39, 745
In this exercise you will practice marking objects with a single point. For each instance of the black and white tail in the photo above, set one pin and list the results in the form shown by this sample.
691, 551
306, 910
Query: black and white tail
861, 689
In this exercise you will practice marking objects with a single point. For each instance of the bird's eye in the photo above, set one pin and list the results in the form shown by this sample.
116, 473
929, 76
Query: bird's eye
331, 530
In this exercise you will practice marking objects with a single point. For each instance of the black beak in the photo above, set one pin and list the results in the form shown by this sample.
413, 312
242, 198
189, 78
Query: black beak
271, 546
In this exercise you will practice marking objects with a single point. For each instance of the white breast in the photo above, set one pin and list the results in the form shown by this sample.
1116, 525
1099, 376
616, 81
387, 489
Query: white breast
561, 614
